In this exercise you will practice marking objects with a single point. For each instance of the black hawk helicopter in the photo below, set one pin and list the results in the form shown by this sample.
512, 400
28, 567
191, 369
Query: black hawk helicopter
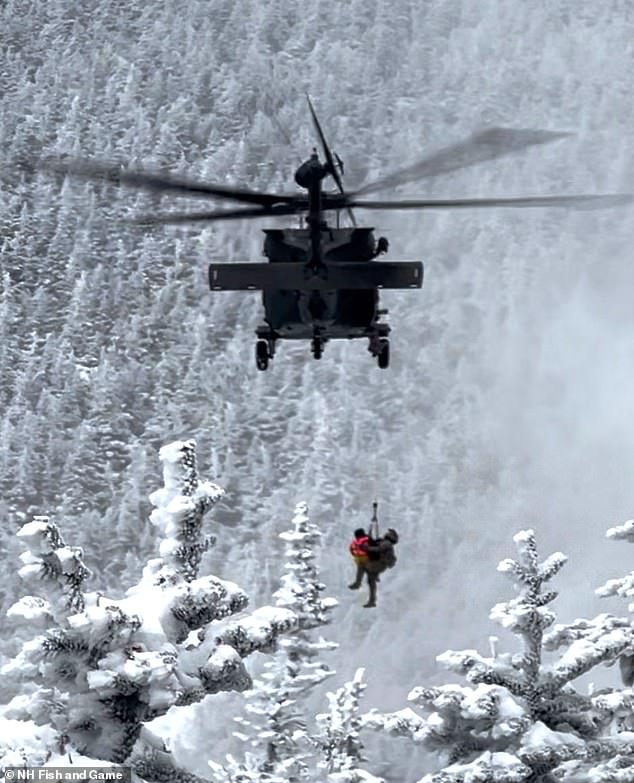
322, 282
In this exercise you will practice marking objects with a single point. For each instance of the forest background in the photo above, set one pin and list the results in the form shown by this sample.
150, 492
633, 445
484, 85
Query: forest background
508, 404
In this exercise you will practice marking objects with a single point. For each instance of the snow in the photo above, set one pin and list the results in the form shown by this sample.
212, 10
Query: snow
497, 767
35, 535
523, 538
139, 668
69, 559
477, 704
624, 531
20, 739
30, 610
225, 670
258, 630
97, 624
458, 660
515, 615
171, 504
73, 759
581, 649
552, 565
354, 776
613, 701
152, 605
172, 454
539, 737
402, 722
507, 565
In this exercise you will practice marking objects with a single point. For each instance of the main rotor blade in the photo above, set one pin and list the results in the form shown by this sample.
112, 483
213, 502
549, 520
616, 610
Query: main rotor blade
600, 201
176, 218
482, 146
160, 182
330, 161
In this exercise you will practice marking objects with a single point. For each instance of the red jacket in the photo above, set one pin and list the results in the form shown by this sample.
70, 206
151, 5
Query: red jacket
359, 547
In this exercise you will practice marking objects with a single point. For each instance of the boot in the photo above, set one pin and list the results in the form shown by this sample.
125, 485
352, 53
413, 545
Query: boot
358, 580
369, 605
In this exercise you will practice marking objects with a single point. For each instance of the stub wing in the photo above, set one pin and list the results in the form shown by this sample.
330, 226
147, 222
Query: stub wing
292, 276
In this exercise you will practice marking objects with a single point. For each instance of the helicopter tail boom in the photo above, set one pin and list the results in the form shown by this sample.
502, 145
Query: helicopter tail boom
286, 276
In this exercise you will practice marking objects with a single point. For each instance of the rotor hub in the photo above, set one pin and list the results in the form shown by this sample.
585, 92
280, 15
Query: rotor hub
310, 172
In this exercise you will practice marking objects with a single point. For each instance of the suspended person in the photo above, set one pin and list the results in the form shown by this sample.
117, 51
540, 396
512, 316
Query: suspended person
372, 555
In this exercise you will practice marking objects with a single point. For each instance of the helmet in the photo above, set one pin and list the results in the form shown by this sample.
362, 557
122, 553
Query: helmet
391, 535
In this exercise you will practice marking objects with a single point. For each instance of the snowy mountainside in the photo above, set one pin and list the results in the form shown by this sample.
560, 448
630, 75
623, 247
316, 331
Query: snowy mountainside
507, 402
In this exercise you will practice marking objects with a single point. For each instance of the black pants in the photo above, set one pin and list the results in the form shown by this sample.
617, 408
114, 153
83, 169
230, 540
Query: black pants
372, 580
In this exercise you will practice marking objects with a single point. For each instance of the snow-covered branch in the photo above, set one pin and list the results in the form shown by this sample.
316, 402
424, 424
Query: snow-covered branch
404, 723
259, 631
60, 567
624, 532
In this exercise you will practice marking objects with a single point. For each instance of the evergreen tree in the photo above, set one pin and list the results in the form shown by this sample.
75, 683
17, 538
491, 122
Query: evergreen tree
101, 668
521, 719
276, 729
338, 739
617, 707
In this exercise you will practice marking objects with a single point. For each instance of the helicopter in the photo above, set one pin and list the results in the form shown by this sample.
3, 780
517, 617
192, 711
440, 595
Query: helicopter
322, 282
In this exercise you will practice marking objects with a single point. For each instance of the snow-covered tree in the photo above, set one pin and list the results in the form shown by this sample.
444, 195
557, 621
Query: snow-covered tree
338, 739
520, 719
101, 668
623, 587
276, 729
618, 706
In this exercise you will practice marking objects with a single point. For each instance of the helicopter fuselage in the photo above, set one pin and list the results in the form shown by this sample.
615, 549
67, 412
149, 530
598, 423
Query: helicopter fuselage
320, 283
335, 313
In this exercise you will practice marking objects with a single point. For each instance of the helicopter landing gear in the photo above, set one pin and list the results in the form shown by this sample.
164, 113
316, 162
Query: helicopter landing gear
262, 354
383, 357
317, 343
264, 347
379, 347
317, 347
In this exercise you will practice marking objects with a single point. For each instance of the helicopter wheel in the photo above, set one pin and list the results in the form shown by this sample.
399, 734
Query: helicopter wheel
262, 354
317, 347
383, 357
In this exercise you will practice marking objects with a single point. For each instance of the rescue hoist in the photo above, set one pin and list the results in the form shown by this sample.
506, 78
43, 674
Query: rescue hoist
373, 532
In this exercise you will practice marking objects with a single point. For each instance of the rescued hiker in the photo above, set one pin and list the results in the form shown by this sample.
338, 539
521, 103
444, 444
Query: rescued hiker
359, 552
